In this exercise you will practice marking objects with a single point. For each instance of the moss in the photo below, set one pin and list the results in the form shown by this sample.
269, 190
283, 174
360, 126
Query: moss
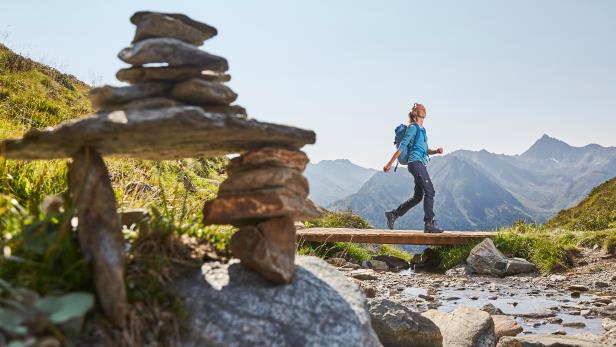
396, 252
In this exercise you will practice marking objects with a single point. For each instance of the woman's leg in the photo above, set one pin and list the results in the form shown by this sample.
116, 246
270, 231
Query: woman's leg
422, 178
412, 202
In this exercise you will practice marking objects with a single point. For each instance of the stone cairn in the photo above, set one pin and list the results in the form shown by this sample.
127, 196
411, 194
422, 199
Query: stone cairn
190, 76
178, 110
263, 195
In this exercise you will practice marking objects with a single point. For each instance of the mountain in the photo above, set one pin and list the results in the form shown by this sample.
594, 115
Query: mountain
596, 212
331, 180
478, 190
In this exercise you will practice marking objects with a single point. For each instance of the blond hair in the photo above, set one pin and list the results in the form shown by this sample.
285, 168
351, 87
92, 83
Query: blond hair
414, 112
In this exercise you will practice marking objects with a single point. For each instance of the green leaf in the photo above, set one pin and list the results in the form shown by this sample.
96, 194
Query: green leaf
11, 321
63, 308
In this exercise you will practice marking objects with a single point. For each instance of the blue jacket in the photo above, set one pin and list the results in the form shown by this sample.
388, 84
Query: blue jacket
419, 151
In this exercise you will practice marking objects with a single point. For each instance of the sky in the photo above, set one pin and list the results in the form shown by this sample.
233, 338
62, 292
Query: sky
493, 75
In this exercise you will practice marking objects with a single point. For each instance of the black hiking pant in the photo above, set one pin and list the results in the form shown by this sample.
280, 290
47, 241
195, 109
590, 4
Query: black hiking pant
423, 189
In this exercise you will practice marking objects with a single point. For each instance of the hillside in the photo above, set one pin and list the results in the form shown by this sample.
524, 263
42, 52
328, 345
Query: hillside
596, 212
483, 190
332, 179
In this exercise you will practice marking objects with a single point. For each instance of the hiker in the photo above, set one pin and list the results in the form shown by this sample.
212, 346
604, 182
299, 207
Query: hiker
412, 143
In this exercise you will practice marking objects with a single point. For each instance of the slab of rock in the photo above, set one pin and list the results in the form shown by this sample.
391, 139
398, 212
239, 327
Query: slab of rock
246, 207
144, 104
268, 157
505, 326
546, 341
486, 259
491, 309
102, 98
378, 265
364, 274
464, 327
156, 134
138, 17
396, 325
265, 178
100, 232
173, 52
200, 92
138, 74
160, 25
394, 263
233, 306
268, 248
232, 110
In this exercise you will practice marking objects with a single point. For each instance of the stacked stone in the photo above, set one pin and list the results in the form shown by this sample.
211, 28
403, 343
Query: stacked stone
189, 75
264, 194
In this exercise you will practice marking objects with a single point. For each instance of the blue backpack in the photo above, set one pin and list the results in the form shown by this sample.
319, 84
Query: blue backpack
404, 152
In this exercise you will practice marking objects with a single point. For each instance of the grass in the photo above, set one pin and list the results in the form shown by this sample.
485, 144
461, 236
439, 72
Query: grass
396, 252
345, 219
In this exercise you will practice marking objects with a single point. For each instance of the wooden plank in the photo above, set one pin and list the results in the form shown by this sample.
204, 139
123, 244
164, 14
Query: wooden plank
381, 236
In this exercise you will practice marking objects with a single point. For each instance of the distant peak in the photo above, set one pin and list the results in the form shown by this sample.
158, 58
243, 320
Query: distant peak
548, 147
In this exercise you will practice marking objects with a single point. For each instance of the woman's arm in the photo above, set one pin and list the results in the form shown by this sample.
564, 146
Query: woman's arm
435, 151
387, 167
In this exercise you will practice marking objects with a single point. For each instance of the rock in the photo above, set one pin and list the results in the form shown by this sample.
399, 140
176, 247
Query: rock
144, 104
600, 284
486, 259
378, 265
268, 248
426, 297
578, 288
139, 74
396, 325
242, 208
173, 52
364, 274
505, 326
140, 189
268, 157
235, 307
546, 341
157, 134
130, 216
106, 97
205, 93
574, 325
394, 263
368, 289
159, 25
536, 315
233, 110
266, 178
555, 320
337, 262
99, 231
464, 327
138, 17
491, 309
559, 332
557, 278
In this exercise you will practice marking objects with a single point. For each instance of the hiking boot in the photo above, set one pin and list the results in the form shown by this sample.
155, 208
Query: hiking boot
391, 219
431, 227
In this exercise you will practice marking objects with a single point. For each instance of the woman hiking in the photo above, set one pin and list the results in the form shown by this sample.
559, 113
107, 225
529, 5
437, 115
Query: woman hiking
414, 145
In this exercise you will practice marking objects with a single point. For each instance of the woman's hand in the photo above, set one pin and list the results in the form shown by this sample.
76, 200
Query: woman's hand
439, 150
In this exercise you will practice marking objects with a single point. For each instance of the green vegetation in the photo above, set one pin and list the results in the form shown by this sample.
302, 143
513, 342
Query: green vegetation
396, 252
596, 212
339, 220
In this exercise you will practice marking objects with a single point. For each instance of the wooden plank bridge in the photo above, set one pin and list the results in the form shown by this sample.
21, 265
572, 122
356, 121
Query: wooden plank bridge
382, 236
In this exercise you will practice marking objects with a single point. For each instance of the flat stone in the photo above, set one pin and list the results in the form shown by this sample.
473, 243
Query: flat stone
99, 230
267, 157
160, 25
396, 325
574, 325
378, 265
229, 305
486, 259
546, 341
200, 92
578, 288
144, 104
394, 263
337, 262
246, 207
265, 178
139, 16
156, 134
464, 327
173, 52
268, 248
233, 110
364, 274
491, 309
139, 74
505, 326
107, 96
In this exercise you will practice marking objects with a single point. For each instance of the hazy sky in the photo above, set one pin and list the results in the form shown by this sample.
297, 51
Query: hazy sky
493, 75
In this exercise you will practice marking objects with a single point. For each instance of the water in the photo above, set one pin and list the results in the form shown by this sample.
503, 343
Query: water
519, 301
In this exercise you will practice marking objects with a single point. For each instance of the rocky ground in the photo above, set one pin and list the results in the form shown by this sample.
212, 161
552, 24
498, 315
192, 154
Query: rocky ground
578, 302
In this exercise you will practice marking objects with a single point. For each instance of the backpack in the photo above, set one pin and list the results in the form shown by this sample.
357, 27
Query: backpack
404, 152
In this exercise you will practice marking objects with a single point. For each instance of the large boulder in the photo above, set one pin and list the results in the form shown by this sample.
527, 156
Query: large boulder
464, 327
547, 341
505, 326
230, 305
397, 325
486, 259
